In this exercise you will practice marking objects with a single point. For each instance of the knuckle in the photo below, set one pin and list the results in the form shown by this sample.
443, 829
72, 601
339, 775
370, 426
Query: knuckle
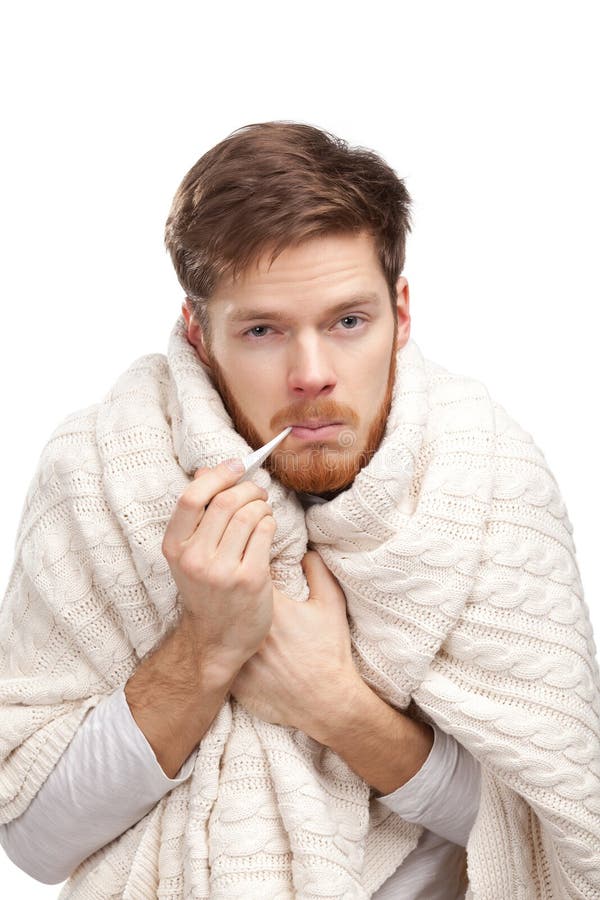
245, 516
223, 501
187, 502
191, 566
187, 568
247, 491
266, 518
218, 576
168, 548
238, 496
268, 523
249, 581
251, 512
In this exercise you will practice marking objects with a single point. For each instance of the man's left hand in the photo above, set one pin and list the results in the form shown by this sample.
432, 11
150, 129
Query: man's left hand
303, 672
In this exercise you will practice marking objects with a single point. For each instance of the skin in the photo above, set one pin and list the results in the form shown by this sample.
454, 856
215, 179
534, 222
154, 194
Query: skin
309, 350
300, 354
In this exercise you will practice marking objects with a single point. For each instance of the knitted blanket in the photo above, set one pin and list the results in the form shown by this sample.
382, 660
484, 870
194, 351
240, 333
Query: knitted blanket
455, 553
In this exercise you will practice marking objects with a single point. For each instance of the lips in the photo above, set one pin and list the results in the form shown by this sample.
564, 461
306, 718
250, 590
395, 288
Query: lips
313, 423
314, 430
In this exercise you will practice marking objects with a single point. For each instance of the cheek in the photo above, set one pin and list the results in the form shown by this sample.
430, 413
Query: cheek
259, 376
367, 380
256, 395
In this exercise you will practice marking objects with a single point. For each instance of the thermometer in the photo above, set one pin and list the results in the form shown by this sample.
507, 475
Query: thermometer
254, 460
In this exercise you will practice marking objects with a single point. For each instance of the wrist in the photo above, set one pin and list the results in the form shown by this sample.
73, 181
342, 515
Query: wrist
383, 745
174, 695
338, 713
216, 664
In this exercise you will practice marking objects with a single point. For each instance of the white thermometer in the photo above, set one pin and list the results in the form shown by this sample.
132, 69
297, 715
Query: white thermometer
254, 460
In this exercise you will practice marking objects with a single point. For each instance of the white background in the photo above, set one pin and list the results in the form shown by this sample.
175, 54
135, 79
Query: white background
488, 110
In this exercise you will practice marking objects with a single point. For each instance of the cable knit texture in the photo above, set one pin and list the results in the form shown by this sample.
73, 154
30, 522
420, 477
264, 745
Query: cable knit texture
455, 552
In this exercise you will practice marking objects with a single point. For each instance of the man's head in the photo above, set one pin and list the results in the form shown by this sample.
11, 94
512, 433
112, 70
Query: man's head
289, 246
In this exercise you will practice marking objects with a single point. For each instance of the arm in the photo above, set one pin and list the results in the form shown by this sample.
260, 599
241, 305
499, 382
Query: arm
384, 746
107, 779
174, 695
217, 544
110, 777
445, 793
420, 772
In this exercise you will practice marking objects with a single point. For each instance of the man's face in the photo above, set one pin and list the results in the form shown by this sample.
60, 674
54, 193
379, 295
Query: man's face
310, 342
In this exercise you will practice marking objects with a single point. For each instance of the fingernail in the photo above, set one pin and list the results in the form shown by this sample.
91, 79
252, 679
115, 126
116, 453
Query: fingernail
236, 465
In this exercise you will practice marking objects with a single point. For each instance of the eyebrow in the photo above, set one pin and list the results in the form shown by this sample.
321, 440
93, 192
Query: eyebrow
249, 313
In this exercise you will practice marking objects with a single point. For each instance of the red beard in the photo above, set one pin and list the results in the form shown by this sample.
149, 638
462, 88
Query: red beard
320, 468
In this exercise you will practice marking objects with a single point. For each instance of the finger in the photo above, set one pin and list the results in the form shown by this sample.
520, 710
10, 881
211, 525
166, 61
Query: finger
190, 506
257, 554
219, 513
312, 564
239, 529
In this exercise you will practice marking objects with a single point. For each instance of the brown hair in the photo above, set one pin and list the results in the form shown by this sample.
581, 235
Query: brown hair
272, 185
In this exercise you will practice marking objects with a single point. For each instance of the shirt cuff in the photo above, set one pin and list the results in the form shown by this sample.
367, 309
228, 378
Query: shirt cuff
154, 772
106, 780
444, 794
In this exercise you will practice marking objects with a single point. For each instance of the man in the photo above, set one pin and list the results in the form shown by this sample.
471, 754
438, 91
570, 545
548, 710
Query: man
277, 747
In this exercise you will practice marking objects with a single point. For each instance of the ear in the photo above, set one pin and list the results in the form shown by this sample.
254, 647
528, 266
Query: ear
195, 334
403, 312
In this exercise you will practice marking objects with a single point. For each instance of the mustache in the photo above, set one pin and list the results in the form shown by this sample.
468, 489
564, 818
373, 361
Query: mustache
327, 409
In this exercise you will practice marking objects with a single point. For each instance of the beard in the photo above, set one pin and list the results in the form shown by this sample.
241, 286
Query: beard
324, 468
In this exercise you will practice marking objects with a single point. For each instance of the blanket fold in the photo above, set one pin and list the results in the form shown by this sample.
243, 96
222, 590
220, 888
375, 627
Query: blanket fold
454, 550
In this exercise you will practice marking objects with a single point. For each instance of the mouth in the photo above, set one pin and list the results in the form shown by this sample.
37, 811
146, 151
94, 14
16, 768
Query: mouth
314, 430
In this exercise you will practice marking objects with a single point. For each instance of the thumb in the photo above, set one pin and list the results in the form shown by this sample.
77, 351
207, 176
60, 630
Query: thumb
321, 583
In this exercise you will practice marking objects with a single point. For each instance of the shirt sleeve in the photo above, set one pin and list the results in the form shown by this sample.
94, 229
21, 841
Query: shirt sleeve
444, 794
107, 779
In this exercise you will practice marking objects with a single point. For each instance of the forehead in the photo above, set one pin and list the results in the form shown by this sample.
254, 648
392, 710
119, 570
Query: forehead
321, 269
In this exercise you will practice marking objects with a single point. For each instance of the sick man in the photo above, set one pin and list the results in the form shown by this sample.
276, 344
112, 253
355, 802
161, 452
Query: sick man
365, 670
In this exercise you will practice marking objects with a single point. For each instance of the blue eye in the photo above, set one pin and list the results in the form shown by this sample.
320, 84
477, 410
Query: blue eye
349, 323
257, 328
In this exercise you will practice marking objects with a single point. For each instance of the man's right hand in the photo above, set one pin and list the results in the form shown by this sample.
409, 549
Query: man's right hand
217, 544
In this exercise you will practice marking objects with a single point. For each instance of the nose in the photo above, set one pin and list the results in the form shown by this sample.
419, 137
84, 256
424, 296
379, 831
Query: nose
310, 371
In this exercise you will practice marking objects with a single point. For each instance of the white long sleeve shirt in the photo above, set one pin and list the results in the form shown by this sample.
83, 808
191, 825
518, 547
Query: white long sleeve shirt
108, 778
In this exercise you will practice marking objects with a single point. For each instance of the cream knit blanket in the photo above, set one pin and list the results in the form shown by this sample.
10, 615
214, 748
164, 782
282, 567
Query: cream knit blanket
454, 550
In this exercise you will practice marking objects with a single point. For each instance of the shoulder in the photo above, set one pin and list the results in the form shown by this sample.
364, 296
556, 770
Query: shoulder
73, 453
444, 384
462, 403
75, 436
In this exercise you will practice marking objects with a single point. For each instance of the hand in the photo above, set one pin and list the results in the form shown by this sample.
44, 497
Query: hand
217, 545
304, 672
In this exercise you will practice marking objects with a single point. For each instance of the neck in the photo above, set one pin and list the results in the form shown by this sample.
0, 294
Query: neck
329, 495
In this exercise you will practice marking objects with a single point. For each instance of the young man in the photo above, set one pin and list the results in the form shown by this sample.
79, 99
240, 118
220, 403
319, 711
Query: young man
187, 727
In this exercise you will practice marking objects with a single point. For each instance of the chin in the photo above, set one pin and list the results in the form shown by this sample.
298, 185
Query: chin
321, 471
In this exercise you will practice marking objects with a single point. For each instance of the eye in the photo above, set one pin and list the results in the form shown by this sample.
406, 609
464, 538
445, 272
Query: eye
350, 322
257, 331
